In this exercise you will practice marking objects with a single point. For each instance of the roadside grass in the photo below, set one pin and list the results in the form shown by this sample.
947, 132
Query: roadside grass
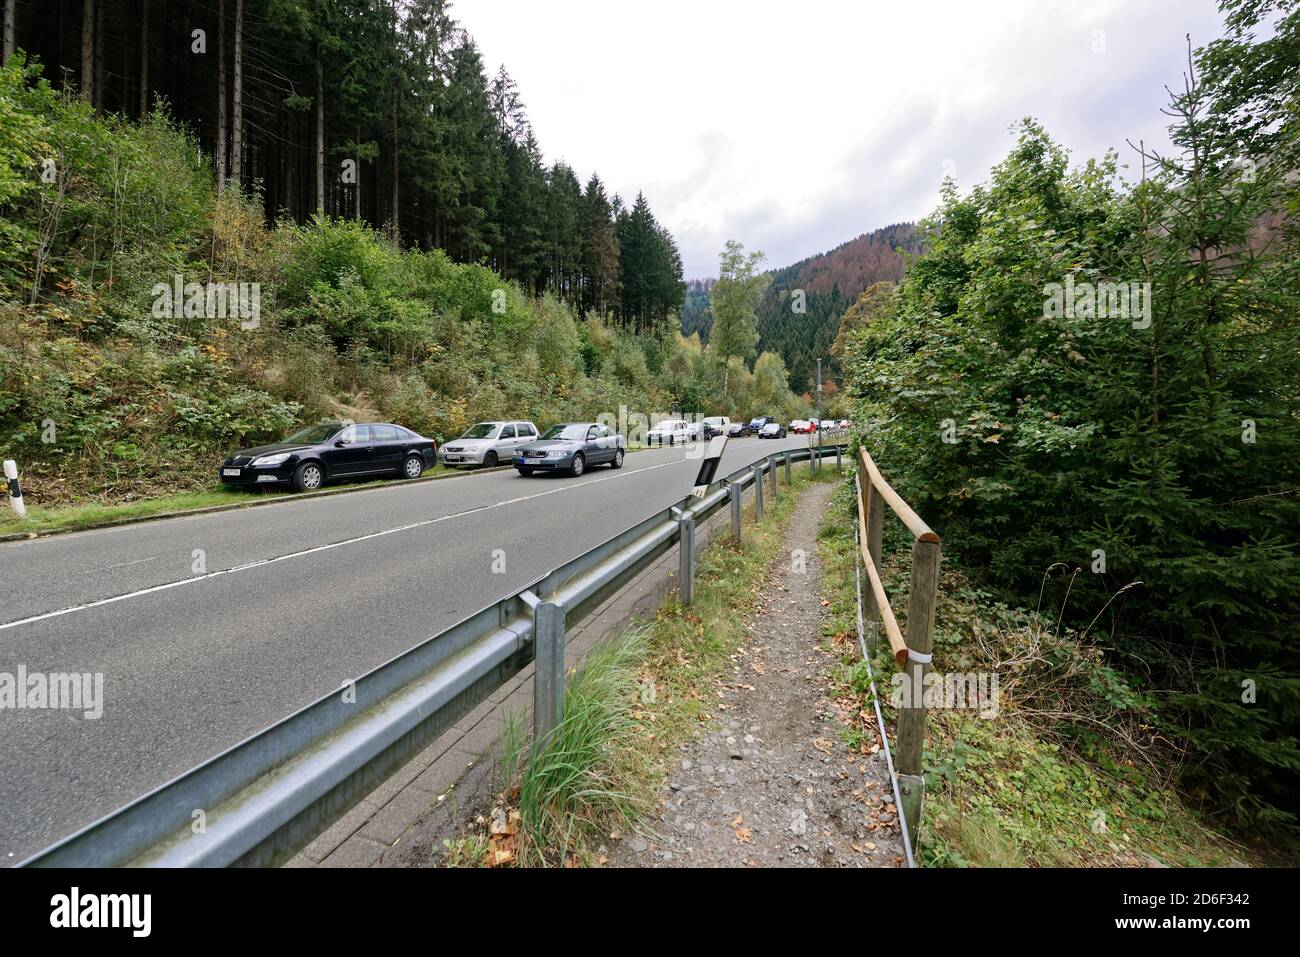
101, 510
629, 708
1064, 774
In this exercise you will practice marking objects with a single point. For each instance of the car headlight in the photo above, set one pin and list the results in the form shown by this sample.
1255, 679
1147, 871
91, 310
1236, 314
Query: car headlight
269, 461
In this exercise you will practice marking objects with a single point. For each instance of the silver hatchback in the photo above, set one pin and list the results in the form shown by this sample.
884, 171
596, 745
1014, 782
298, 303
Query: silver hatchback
487, 444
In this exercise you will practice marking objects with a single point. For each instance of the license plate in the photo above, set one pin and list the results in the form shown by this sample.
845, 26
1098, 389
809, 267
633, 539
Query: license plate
234, 472
452, 458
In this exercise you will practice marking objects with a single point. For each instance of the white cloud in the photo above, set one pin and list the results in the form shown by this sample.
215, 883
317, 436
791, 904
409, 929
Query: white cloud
796, 126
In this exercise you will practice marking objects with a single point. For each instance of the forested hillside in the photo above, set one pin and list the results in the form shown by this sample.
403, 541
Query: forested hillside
377, 110
695, 316
1089, 383
830, 282
799, 315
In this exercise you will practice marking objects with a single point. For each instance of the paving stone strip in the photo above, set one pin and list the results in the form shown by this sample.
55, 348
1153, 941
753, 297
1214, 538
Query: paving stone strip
775, 785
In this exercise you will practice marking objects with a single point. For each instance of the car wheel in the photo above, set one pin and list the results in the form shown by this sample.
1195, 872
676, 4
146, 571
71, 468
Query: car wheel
618, 460
579, 465
490, 460
308, 477
413, 467
524, 472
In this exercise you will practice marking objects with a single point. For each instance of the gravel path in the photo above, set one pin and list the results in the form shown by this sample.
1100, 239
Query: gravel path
775, 785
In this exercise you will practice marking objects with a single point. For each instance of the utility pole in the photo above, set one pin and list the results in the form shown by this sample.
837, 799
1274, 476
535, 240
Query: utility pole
819, 415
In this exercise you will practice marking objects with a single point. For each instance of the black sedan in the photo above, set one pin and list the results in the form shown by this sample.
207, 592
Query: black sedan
571, 448
332, 450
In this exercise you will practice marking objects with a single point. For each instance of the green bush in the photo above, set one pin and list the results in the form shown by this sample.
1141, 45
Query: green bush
1037, 441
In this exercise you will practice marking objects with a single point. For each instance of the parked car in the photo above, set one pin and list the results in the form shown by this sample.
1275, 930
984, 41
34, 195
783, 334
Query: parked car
756, 424
773, 430
322, 453
571, 447
801, 426
738, 429
487, 444
716, 425
673, 432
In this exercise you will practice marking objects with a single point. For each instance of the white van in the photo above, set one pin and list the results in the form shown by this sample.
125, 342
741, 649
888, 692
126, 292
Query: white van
716, 425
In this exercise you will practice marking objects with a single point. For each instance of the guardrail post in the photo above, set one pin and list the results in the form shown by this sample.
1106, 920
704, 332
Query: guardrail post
839, 466
921, 598
771, 474
758, 493
789, 473
686, 556
548, 675
734, 491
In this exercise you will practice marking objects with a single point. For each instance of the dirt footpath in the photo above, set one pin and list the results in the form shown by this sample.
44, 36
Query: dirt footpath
775, 785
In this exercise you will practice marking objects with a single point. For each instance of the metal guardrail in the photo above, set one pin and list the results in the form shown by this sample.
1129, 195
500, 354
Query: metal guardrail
264, 799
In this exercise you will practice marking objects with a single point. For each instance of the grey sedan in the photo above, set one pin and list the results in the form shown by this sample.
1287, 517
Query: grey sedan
572, 447
487, 444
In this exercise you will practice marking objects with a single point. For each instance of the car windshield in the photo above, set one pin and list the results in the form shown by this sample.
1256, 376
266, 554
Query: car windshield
314, 434
484, 430
573, 432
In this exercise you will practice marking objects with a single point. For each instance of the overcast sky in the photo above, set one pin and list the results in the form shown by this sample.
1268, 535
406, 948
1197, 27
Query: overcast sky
794, 126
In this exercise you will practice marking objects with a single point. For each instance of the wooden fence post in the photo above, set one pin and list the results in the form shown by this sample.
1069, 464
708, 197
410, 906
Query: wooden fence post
921, 599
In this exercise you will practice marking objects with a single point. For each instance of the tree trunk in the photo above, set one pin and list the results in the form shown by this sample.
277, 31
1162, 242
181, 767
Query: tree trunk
144, 58
397, 217
11, 11
320, 134
397, 98
88, 50
221, 96
99, 85
237, 120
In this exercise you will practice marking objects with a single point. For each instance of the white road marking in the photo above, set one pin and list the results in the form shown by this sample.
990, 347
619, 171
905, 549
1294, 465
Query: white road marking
139, 561
321, 548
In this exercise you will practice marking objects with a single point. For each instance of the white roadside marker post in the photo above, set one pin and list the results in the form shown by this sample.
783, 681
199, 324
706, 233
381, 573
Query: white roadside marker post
686, 521
709, 467
15, 490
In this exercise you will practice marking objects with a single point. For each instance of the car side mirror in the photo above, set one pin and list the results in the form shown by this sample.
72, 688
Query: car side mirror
340, 443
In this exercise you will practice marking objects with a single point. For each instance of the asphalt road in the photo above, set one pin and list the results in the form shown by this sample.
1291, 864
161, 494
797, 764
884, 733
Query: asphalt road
210, 628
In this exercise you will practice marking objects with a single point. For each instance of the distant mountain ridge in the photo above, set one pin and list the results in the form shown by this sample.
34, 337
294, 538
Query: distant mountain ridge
830, 282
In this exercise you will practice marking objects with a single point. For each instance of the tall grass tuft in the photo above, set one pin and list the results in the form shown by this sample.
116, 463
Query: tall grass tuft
585, 777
